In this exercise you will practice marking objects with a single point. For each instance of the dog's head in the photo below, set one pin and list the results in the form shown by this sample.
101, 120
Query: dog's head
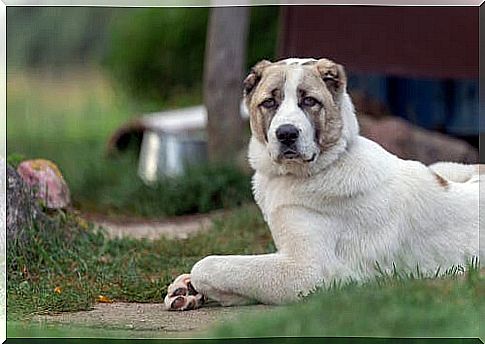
299, 112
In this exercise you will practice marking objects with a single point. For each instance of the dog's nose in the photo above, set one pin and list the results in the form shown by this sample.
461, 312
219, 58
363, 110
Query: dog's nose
287, 134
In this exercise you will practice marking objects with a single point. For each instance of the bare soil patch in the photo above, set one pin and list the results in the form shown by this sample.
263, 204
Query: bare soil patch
149, 319
179, 227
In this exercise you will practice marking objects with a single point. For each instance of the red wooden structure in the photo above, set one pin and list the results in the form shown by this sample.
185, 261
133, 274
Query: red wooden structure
437, 42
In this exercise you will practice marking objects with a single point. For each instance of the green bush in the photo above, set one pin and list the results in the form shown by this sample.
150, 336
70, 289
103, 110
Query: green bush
200, 190
155, 53
113, 186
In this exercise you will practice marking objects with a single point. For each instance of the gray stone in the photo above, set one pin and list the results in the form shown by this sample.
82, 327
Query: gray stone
22, 209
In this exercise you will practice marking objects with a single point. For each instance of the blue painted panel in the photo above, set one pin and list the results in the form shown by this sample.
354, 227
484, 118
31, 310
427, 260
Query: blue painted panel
464, 117
373, 86
421, 101
450, 106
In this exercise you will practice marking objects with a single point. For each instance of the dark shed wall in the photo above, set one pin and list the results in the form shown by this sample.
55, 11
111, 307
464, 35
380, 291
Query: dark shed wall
437, 42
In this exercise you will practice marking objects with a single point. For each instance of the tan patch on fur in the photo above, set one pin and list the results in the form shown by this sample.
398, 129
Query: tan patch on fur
441, 181
270, 84
335, 81
327, 119
323, 80
254, 77
334, 77
332, 129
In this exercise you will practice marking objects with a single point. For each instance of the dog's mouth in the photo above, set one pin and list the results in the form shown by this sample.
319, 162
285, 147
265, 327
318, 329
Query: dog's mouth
290, 154
293, 155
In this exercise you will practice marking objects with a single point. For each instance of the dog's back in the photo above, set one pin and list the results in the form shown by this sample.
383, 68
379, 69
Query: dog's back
470, 177
456, 172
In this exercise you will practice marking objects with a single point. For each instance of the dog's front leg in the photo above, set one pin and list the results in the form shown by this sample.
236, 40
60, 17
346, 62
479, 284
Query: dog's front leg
237, 280
270, 278
306, 258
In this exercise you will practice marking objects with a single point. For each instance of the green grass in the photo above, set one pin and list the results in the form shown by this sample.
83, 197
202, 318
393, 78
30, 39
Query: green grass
83, 263
68, 119
447, 306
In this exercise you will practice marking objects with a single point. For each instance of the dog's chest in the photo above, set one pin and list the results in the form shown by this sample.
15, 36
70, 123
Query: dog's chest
357, 231
309, 193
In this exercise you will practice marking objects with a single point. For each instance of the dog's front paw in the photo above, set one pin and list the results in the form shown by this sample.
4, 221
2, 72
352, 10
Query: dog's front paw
181, 295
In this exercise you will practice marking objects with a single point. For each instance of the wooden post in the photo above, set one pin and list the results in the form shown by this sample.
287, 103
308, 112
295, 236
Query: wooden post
224, 68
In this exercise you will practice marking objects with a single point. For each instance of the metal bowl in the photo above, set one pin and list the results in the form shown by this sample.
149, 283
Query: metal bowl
169, 154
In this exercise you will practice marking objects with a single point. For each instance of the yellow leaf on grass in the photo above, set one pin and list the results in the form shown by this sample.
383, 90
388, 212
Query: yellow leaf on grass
104, 299
57, 290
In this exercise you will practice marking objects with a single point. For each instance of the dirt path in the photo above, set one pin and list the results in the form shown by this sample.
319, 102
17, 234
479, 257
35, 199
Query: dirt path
148, 320
177, 227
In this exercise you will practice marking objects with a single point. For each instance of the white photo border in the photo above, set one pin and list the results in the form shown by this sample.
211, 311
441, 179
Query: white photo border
163, 3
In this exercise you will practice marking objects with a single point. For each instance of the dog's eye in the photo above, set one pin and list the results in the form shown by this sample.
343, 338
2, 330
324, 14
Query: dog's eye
269, 103
309, 101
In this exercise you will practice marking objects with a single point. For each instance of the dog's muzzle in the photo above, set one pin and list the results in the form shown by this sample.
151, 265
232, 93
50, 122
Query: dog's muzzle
287, 135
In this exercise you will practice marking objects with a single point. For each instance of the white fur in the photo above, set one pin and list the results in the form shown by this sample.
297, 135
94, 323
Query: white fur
298, 61
455, 171
356, 205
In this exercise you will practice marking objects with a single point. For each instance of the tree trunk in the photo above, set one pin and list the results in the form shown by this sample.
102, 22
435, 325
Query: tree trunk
223, 74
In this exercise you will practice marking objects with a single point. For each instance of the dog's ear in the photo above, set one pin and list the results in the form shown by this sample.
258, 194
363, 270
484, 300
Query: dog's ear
254, 76
334, 77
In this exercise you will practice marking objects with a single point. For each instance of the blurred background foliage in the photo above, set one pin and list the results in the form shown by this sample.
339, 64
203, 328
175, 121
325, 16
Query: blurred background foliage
156, 53
153, 54
56, 37
76, 74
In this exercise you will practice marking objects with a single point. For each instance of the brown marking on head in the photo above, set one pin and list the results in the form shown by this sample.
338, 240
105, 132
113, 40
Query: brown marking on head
441, 181
323, 80
334, 77
254, 77
326, 117
266, 81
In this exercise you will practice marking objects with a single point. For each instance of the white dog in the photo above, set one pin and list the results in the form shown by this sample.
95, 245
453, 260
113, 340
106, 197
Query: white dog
335, 202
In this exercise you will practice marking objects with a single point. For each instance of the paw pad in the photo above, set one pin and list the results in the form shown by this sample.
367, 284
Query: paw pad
182, 296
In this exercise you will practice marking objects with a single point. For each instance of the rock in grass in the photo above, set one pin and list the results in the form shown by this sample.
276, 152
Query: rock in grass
47, 182
22, 210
